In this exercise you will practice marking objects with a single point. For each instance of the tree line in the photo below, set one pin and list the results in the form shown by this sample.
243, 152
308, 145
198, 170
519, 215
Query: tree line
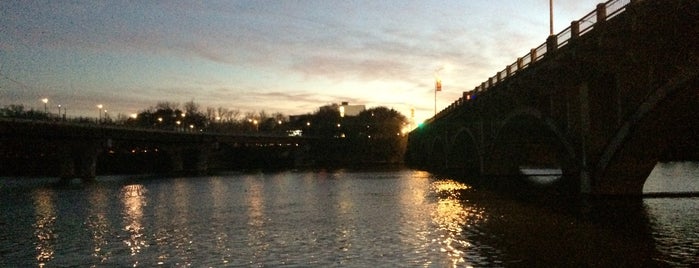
375, 135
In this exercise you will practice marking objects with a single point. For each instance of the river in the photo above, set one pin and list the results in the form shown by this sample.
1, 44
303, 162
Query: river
348, 218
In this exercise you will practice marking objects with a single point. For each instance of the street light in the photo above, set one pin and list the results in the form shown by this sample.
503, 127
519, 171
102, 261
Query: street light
99, 111
550, 17
45, 101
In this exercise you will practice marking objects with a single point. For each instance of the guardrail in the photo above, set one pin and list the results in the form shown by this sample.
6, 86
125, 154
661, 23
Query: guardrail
577, 28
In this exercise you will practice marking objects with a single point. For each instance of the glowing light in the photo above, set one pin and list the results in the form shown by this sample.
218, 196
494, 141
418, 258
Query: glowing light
134, 200
45, 220
451, 216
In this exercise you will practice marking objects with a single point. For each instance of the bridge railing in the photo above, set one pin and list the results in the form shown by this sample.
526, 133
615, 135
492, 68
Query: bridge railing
602, 13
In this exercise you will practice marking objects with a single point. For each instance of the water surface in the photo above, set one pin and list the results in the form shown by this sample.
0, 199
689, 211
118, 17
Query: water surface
329, 218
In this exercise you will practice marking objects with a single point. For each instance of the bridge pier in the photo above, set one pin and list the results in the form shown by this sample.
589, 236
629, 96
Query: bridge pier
78, 159
189, 159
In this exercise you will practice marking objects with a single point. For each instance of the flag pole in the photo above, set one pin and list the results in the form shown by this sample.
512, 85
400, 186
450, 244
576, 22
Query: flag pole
437, 87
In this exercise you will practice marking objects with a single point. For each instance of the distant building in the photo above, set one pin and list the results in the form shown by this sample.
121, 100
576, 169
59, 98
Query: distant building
350, 110
299, 123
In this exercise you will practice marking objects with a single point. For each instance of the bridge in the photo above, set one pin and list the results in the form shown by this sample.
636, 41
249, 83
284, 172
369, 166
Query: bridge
72, 150
602, 102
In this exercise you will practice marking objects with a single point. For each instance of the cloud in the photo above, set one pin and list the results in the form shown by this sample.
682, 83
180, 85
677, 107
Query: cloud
286, 55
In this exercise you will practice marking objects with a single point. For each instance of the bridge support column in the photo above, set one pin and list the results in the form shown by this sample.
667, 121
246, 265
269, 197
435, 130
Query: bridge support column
189, 159
201, 161
175, 155
79, 160
66, 162
584, 142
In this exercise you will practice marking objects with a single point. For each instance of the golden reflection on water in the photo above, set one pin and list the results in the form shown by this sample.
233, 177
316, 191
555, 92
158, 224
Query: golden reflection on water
45, 221
98, 224
256, 217
414, 204
133, 197
218, 196
451, 216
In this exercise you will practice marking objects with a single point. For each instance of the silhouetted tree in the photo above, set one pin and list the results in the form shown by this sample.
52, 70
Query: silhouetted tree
381, 139
324, 122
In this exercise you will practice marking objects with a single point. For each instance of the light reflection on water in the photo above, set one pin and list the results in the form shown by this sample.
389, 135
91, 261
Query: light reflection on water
134, 200
98, 224
673, 177
44, 225
339, 218
450, 217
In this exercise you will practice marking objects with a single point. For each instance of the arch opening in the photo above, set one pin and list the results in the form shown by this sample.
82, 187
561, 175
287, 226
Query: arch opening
464, 157
438, 155
663, 129
527, 147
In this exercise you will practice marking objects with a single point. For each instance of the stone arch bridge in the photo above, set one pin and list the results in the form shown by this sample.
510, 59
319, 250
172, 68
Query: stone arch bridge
602, 101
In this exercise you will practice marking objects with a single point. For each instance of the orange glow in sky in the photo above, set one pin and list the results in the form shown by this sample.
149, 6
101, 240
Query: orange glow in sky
277, 56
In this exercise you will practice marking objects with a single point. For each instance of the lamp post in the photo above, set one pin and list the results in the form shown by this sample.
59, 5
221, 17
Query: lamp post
45, 101
550, 17
99, 111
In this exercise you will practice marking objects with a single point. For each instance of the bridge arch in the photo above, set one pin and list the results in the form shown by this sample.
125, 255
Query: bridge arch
464, 155
666, 118
525, 138
438, 154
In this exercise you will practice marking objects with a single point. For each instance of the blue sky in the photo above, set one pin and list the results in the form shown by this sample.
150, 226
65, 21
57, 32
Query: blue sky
277, 56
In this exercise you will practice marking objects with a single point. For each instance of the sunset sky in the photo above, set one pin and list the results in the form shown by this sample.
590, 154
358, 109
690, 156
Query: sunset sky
278, 56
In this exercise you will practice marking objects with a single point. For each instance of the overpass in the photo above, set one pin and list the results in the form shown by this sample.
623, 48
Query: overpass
74, 149
601, 101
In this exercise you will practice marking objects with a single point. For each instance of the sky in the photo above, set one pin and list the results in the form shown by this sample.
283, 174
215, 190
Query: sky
287, 56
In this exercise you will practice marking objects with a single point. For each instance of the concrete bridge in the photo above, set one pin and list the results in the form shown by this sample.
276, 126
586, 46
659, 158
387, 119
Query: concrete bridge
601, 101
74, 149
